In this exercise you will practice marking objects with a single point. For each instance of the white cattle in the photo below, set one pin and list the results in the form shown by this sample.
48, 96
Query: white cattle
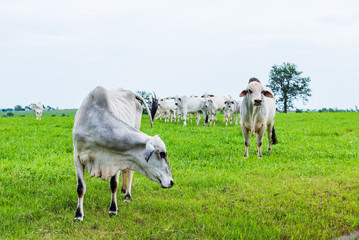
191, 105
168, 108
38, 108
231, 107
257, 112
106, 140
211, 109
218, 99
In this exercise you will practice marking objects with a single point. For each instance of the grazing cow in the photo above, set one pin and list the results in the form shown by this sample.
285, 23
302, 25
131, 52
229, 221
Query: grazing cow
106, 140
38, 108
191, 105
231, 107
257, 112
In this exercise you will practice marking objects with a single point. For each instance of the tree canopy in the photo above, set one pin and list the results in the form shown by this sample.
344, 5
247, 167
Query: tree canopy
288, 85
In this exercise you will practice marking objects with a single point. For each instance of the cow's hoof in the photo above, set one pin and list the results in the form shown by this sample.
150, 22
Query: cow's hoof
112, 213
128, 198
269, 149
78, 219
245, 155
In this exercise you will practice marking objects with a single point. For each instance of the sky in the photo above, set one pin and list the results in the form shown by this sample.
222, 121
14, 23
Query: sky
57, 51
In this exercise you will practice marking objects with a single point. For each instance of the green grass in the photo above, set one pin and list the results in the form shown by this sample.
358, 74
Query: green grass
306, 188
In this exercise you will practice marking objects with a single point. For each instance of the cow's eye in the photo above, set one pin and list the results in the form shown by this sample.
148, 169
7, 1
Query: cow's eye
250, 91
162, 154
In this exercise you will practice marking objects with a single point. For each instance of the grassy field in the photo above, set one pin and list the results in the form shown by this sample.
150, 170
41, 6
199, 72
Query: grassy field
306, 188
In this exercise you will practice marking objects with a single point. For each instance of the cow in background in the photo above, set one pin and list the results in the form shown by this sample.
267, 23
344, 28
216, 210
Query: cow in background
38, 108
218, 100
231, 107
191, 105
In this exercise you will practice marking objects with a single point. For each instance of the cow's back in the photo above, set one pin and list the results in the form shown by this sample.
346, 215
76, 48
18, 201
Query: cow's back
123, 104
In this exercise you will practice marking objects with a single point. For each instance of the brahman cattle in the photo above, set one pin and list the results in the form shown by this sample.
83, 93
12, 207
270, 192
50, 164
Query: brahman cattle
257, 112
107, 139
231, 107
191, 105
38, 108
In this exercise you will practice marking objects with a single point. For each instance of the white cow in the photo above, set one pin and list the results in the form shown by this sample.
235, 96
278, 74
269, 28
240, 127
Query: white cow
211, 110
257, 112
38, 108
231, 107
218, 99
106, 140
168, 108
191, 105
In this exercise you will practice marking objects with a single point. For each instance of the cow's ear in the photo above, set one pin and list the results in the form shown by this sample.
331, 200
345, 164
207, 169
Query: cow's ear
243, 93
149, 151
267, 94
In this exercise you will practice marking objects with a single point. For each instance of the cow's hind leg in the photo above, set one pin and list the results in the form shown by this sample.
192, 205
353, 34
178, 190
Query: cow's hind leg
127, 183
81, 189
113, 186
128, 196
124, 177
269, 133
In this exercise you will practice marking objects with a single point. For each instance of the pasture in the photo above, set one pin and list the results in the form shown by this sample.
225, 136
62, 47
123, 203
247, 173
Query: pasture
306, 188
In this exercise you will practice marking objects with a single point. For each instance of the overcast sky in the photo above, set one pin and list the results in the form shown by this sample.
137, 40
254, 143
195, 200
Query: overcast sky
57, 51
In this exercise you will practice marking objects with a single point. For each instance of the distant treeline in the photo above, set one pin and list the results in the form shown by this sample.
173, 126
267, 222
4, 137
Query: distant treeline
327, 110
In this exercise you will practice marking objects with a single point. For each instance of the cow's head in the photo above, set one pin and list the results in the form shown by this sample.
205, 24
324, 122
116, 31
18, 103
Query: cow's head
178, 100
157, 167
255, 92
229, 104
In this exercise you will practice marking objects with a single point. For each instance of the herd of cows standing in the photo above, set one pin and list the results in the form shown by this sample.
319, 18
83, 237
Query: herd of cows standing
107, 139
257, 111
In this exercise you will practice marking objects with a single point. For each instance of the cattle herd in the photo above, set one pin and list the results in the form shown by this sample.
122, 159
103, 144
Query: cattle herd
107, 138
256, 112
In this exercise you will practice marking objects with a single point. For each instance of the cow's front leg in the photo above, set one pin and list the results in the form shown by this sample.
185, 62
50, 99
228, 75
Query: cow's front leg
247, 139
81, 189
260, 140
113, 186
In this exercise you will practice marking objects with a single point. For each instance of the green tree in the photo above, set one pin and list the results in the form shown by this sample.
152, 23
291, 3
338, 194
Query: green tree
287, 84
17, 108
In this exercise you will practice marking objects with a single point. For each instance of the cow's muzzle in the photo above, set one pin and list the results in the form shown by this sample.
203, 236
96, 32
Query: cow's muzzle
257, 102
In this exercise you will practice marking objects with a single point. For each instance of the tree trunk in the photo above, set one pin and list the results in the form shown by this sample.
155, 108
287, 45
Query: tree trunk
285, 104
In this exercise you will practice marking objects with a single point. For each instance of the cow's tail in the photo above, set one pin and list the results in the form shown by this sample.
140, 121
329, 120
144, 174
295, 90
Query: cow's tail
274, 137
148, 110
154, 106
206, 120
